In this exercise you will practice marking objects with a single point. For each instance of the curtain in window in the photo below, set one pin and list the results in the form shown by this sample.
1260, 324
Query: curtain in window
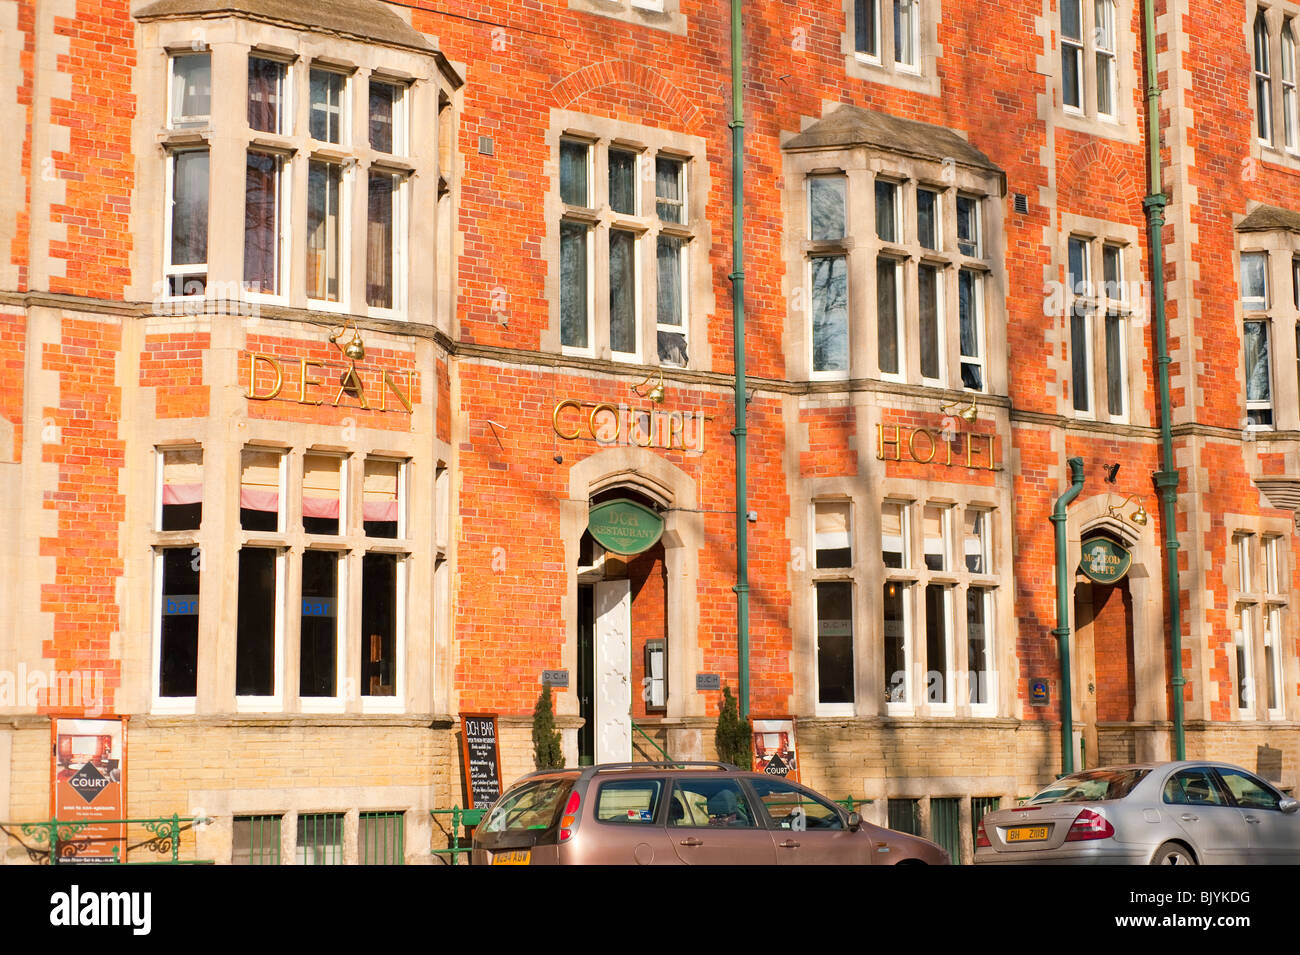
190, 208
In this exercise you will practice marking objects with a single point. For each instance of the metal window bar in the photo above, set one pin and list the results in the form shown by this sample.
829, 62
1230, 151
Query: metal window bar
981, 806
256, 840
320, 839
905, 816
945, 821
381, 838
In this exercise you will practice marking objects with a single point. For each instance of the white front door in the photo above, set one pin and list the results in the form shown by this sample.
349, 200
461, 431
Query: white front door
613, 671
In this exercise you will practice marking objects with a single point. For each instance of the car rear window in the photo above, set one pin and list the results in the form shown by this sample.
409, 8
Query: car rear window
1092, 786
634, 801
534, 805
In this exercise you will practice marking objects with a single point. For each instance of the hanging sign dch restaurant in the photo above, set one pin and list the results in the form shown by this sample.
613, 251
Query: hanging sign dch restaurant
1103, 561
625, 527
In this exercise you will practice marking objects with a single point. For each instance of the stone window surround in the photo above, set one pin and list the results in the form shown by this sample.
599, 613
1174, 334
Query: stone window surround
1274, 14
1283, 248
861, 165
1123, 126
663, 15
1102, 232
924, 79
699, 297
869, 575
229, 41
222, 592
1258, 530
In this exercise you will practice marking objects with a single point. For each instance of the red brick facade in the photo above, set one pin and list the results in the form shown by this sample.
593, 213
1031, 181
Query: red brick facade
100, 377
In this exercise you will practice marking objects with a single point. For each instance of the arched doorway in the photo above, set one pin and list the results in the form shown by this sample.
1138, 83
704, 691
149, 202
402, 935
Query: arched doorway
1118, 643
622, 640
631, 619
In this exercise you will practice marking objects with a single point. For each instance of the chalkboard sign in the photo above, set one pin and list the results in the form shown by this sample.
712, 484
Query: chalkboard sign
478, 733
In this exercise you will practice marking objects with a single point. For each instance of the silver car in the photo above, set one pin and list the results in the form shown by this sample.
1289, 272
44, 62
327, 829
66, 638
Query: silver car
1185, 813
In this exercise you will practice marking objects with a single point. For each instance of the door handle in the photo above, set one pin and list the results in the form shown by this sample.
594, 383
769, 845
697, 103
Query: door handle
1252, 820
788, 844
1189, 817
692, 841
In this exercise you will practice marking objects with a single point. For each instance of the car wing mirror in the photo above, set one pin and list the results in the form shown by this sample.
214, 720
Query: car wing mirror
855, 821
1288, 804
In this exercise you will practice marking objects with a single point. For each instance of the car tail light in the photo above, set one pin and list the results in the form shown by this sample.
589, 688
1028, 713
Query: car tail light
570, 816
1089, 825
982, 838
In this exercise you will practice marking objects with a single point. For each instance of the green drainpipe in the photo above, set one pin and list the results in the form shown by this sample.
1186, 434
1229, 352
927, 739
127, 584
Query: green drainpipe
738, 312
1062, 630
1167, 478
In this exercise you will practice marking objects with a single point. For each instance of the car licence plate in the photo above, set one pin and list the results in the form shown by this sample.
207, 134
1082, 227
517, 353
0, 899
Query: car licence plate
1027, 834
512, 857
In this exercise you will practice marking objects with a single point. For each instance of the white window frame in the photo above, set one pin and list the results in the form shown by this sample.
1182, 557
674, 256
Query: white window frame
397, 702
1117, 307
940, 318
1274, 640
914, 28
869, 56
401, 121
1104, 16
344, 108
830, 374
1077, 49
588, 350
812, 519
907, 705
160, 456
1263, 78
1261, 404
684, 279
900, 313
178, 705
638, 309
284, 116
1247, 606
185, 122
347, 181
990, 686
171, 270
979, 361
401, 238
284, 233
1290, 103
948, 676
338, 702
275, 702
977, 219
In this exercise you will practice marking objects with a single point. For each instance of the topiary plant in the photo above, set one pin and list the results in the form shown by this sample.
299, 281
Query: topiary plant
546, 738
733, 739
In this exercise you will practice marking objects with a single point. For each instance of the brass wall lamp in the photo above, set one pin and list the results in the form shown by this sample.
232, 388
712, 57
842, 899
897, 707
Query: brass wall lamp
354, 350
655, 394
967, 414
1138, 517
